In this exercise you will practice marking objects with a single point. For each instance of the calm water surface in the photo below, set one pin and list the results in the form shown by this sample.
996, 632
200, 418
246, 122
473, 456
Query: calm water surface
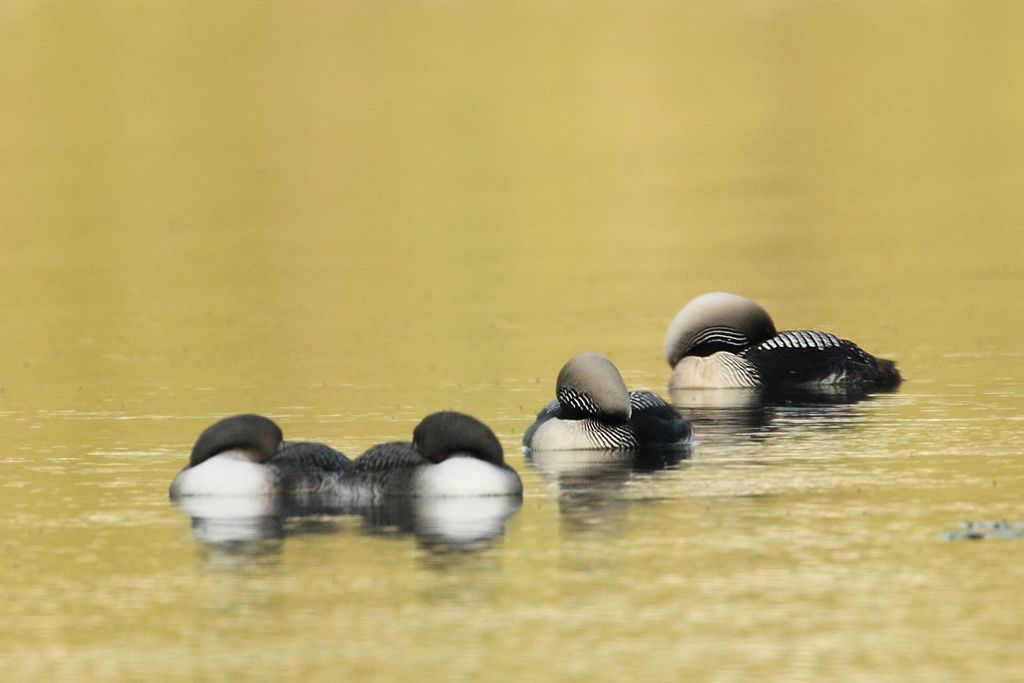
348, 215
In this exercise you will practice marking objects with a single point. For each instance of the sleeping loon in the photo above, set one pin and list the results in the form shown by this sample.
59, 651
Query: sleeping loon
594, 411
721, 340
451, 454
246, 455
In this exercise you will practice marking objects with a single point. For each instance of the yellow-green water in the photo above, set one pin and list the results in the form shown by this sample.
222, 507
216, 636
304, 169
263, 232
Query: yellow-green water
349, 214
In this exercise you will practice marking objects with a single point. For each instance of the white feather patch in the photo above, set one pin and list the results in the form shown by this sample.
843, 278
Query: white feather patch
466, 476
722, 370
561, 435
230, 473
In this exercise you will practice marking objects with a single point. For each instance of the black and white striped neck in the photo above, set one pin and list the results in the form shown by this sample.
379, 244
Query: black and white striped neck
589, 385
713, 322
718, 338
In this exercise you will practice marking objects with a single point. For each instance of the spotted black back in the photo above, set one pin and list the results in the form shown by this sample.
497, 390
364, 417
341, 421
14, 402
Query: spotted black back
807, 356
305, 466
389, 456
643, 400
655, 423
810, 339
310, 455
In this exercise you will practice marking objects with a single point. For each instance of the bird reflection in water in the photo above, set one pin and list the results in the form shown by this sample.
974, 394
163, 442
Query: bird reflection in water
442, 524
758, 415
592, 483
258, 525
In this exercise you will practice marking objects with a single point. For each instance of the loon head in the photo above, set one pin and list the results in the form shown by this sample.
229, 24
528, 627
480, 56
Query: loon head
714, 322
592, 386
442, 435
256, 436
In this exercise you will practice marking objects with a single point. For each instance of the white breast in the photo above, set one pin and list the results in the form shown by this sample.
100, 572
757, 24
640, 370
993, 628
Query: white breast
586, 434
560, 435
722, 370
466, 476
230, 473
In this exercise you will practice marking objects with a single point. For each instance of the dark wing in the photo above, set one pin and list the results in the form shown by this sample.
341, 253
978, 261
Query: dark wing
645, 400
307, 455
800, 357
551, 409
655, 422
304, 466
389, 456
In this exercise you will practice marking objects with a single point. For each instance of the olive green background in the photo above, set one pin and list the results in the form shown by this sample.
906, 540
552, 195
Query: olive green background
346, 215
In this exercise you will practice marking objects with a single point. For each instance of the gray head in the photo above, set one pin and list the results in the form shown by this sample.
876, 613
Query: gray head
590, 384
441, 435
256, 434
716, 322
